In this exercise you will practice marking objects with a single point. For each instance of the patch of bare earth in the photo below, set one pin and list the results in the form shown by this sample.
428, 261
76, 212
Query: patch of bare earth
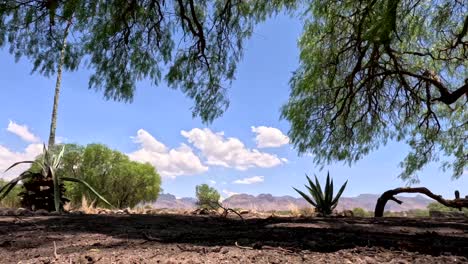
210, 239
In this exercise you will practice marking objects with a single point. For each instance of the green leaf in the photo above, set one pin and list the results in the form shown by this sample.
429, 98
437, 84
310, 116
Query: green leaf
338, 195
89, 187
57, 194
58, 159
319, 188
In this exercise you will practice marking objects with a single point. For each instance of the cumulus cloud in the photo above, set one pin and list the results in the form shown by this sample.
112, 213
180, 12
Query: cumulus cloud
228, 152
269, 137
23, 132
251, 180
168, 162
8, 156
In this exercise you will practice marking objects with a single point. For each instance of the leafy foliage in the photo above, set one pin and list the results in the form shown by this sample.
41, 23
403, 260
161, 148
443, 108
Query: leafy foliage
193, 45
442, 208
373, 71
323, 201
123, 182
208, 197
360, 212
47, 165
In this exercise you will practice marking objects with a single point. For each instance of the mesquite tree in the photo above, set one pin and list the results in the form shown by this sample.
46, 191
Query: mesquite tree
378, 70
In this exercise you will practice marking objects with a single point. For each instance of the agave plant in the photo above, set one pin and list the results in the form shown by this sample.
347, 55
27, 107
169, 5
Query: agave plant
323, 201
44, 189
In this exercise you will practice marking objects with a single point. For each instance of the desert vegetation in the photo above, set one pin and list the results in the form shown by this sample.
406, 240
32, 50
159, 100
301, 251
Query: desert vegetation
369, 72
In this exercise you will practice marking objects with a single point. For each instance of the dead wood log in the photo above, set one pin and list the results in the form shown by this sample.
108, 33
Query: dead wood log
389, 195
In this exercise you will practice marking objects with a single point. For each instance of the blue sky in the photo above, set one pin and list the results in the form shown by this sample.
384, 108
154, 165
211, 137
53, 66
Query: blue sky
158, 127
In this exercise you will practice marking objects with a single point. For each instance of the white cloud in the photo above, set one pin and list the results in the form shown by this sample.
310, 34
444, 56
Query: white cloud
269, 137
23, 132
229, 193
211, 182
8, 157
168, 162
228, 152
251, 180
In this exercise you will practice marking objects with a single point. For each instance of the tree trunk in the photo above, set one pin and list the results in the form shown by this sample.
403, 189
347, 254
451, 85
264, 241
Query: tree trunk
389, 195
53, 121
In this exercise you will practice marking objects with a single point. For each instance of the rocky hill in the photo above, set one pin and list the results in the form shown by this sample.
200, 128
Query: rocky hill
268, 202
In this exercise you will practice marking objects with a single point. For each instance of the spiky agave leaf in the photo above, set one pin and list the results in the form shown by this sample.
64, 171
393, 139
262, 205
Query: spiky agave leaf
58, 159
340, 192
18, 163
328, 193
5, 190
87, 186
315, 195
323, 201
307, 198
57, 195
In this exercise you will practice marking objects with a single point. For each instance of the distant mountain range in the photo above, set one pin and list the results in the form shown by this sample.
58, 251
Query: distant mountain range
268, 202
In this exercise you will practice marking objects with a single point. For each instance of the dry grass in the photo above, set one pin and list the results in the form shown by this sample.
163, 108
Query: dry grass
86, 207
294, 209
307, 211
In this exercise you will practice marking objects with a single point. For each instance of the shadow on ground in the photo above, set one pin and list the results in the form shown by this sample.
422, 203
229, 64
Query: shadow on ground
429, 236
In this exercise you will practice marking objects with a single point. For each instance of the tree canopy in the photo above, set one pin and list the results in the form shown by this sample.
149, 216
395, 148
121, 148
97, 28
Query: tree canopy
370, 71
208, 197
379, 70
193, 45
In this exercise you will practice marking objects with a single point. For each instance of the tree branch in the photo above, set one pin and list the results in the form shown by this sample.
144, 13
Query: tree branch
389, 195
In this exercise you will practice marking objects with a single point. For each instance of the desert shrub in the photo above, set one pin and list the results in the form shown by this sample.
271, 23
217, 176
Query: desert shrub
207, 197
418, 213
359, 212
442, 208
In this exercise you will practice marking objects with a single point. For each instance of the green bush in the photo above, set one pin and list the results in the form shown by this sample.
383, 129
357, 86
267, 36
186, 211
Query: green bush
359, 212
208, 197
442, 208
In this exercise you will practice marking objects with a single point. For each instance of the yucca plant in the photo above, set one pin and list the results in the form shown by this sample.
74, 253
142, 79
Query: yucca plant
323, 201
44, 189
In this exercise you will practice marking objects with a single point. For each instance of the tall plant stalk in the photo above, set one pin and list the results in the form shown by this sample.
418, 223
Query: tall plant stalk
53, 121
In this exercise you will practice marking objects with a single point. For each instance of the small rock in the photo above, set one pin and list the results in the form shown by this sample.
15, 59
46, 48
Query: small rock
120, 212
127, 211
41, 212
242, 212
224, 251
348, 213
23, 212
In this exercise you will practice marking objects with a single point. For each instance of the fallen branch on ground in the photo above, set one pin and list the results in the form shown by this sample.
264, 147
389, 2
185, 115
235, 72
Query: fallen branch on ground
389, 195
55, 251
259, 246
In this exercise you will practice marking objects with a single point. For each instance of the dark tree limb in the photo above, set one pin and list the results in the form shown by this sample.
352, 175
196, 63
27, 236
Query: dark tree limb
389, 195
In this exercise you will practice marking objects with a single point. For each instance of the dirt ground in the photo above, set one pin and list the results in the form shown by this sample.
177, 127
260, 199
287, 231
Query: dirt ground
209, 239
